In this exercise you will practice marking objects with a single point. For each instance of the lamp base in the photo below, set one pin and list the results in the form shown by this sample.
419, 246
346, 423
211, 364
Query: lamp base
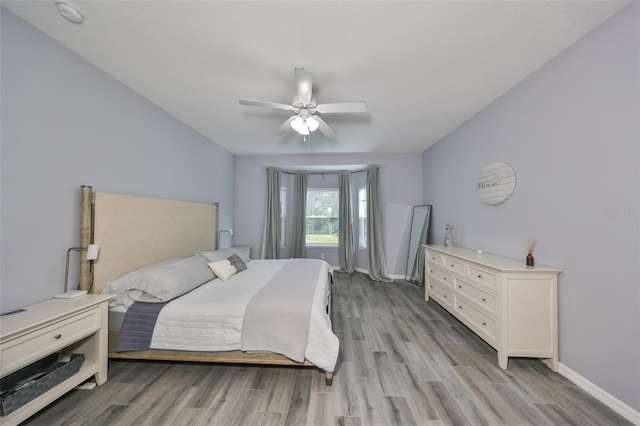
72, 294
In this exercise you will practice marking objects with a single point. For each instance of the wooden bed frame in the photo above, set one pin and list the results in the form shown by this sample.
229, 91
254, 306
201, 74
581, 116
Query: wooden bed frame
135, 231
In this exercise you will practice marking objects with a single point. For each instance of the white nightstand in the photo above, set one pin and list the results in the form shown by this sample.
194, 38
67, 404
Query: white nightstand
246, 250
59, 325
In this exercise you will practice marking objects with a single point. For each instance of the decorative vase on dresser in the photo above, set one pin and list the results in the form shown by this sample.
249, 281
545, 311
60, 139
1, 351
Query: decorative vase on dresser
512, 307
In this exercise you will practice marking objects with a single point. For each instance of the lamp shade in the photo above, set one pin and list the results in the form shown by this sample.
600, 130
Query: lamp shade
297, 124
92, 251
313, 124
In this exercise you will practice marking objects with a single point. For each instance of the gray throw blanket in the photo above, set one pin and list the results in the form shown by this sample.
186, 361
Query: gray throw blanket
137, 326
277, 317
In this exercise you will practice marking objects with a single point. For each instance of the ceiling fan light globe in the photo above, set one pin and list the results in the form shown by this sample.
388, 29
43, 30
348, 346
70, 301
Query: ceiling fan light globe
313, 124
304, 130
297, 124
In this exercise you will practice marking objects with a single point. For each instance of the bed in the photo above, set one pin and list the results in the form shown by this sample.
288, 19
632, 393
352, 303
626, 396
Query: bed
134, 232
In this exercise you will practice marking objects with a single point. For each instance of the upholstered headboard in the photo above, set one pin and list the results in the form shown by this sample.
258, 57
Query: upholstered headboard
136, 231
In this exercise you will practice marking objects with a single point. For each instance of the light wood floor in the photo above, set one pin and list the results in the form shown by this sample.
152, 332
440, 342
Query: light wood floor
403, 361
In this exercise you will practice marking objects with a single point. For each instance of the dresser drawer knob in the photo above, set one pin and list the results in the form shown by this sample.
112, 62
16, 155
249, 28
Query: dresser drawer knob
444, 278
445, 296
484, 323
452, 265
479, 276
57, 336
484, 299
459, 286
459, 306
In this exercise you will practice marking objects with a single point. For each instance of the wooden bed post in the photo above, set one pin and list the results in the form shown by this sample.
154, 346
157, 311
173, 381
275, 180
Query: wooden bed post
86, 200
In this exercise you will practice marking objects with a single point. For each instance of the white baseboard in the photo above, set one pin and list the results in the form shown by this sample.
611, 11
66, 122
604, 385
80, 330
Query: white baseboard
601, 395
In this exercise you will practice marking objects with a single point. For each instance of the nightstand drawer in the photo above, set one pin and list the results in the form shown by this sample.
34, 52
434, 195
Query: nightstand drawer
35, 345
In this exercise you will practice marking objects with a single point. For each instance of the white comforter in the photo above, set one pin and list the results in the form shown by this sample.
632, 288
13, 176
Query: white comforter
209, 318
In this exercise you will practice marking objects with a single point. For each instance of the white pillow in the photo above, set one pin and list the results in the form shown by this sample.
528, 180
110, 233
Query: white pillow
120, 285
226, 268
162, 281
214, 256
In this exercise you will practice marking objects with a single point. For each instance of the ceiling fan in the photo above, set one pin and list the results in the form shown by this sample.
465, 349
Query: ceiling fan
304, 107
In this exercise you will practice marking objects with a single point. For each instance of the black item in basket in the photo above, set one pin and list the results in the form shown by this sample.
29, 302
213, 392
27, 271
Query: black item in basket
35, 379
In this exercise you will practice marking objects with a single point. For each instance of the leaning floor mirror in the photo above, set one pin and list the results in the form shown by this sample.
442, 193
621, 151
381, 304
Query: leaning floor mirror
418, 236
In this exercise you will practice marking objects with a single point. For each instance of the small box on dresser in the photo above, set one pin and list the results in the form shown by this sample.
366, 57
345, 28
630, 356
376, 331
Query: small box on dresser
514, 308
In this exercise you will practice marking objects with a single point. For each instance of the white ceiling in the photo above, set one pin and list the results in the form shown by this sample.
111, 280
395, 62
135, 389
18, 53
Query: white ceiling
423, 67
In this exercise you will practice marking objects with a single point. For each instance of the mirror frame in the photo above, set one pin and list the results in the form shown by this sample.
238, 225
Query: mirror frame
418, 236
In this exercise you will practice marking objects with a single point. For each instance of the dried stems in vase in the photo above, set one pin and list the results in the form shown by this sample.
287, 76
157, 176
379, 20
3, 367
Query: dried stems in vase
531, 246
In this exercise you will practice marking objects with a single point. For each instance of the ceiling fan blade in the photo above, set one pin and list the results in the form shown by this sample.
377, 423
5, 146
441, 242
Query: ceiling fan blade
285, 126
324, 127
304, 81
359, 106
266, 104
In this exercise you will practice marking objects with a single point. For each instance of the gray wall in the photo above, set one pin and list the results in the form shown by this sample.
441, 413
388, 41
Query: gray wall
571, 133
65, 123
400, 190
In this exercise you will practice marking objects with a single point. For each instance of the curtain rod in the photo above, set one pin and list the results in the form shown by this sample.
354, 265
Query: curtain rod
325, 172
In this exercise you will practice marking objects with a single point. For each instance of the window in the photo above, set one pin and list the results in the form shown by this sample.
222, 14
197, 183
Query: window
283, 215
362, 217
322, 217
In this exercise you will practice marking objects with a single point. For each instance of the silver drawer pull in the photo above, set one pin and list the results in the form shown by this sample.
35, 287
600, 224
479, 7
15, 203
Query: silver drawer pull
57, 336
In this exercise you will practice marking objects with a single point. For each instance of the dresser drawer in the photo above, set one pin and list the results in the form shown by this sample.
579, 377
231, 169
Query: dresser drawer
443, 295
484, 299
478, 321
444, 277
455, 265
35, 345
482, 276
434, 257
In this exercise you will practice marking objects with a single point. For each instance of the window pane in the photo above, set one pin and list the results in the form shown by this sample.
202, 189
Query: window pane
362, 217
322, 216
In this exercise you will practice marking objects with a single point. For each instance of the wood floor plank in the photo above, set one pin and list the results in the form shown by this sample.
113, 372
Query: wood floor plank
402, 361
299, 403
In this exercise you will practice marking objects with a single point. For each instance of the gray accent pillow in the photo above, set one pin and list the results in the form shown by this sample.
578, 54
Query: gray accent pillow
226, 268
168, 281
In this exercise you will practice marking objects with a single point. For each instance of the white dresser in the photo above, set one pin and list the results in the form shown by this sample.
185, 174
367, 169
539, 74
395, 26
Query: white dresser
510, 306
58, 325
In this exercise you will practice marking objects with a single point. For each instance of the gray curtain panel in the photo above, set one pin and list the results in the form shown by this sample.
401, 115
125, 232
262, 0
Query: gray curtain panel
271, 235
346, 247
377, 263
299, 245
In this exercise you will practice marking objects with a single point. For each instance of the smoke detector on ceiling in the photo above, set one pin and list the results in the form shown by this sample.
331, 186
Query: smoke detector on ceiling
70, 12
